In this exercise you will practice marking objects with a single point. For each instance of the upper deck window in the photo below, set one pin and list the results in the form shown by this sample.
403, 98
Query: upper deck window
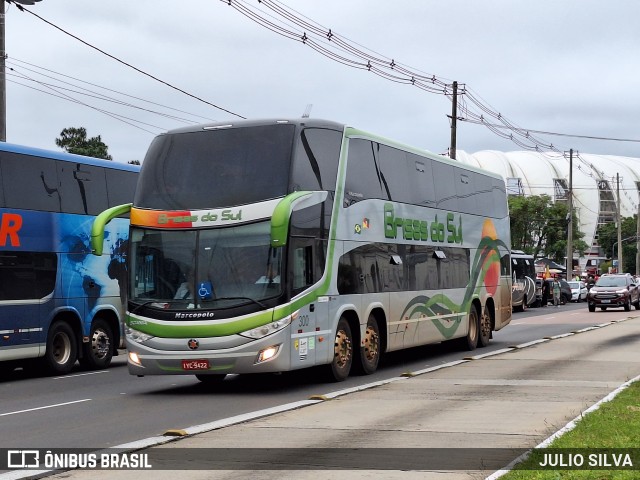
216, 168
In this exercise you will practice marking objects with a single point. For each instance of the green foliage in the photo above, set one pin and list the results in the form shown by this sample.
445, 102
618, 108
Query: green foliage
74, 140
608, 240
539, 227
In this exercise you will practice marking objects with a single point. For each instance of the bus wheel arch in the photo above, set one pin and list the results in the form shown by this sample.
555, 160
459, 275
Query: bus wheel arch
103, 340
61, 350
347, 335
373, 343
487, 322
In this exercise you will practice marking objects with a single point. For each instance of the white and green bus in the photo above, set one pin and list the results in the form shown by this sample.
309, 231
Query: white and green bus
306, 243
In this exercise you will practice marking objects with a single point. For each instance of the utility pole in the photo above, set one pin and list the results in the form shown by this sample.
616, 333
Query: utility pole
570, 220
454, 118
3, 78
619, 223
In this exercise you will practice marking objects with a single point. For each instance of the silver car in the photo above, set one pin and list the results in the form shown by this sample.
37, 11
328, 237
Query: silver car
578, 291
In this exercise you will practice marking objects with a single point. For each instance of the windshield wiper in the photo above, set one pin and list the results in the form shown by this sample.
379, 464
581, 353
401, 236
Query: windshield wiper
143, 304
257, 302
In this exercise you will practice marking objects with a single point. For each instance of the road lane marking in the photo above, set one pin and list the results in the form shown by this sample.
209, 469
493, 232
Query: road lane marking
46, 406
81, 374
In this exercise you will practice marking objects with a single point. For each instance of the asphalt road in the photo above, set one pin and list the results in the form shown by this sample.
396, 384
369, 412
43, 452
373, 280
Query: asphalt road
110, 407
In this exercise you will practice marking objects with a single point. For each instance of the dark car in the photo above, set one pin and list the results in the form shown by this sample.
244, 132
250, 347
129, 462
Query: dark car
612, 291
565, 291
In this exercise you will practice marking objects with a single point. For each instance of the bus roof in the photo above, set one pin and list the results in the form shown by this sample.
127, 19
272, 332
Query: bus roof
320, 123
69, 157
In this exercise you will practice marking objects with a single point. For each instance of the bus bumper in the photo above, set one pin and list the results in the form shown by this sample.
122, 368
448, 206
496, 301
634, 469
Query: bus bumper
218, 355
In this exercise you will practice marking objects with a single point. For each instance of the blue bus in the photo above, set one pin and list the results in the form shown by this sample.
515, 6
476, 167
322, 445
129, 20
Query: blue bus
59, 303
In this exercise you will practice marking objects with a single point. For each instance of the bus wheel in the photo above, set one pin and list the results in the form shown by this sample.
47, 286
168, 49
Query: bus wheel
213, 379
342, 352
485, 329
98, 352
61, 351
470, 341
370, 349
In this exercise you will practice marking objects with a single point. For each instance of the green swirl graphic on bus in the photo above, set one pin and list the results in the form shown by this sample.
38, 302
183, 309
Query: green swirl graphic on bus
485, 273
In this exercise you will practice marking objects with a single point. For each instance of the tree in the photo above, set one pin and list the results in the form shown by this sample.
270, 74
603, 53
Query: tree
74, 140
539, 227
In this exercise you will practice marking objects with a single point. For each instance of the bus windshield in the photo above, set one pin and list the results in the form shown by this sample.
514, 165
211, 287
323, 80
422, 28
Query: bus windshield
221, 167
224, 267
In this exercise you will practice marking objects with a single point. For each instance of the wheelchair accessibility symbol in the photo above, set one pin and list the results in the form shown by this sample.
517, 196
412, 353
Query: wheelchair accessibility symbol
205, 290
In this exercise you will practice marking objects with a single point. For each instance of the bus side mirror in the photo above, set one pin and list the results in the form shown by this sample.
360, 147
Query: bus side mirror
282, 213
100, 222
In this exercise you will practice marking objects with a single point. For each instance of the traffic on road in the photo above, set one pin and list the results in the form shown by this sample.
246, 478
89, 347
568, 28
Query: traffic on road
109, 407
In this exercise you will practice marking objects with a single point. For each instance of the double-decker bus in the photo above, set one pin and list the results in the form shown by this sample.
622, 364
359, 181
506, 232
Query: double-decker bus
59, 303
527, 289
268, 246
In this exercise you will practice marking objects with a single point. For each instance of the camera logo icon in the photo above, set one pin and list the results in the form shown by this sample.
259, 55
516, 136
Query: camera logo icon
23, 459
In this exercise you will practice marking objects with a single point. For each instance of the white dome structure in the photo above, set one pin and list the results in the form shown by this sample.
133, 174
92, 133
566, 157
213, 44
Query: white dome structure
596, 181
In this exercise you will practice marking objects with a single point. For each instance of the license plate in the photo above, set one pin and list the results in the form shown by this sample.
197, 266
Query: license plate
195, 364
606, 301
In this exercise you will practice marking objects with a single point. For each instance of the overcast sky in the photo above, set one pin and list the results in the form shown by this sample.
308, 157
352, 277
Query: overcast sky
561, 66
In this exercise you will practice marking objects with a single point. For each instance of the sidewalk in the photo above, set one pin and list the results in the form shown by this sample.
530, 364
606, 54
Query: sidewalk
511, 400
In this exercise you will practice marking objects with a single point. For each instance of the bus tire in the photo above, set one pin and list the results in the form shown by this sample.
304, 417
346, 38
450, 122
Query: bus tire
340, 366
62, 350
98, 351
370, 349
484, 331
470, 340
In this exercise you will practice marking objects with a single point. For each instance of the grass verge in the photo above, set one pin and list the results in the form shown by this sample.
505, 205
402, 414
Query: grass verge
614, 428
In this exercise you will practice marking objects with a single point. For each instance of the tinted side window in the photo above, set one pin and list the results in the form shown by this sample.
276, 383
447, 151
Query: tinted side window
317, 157
383, 267
395, 174
465, 190
363, 180
83, 188
27, 275
121, 186
444, 187
30, 183
421, 180
499, 195
484, 195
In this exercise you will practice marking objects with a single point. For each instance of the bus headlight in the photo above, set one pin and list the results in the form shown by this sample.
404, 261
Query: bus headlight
135, 335
135, 359
267, 354
268, 329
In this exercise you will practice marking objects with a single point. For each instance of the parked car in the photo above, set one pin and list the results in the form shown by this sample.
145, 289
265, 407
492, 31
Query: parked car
565, 291
578, 291
614, 290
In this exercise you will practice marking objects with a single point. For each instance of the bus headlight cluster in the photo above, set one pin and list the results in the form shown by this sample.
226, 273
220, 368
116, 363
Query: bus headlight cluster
136, 335
268, 329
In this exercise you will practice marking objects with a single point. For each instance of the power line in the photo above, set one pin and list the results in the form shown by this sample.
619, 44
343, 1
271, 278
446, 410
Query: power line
572, 135
21, 8
63, 85
55, 76
275, 16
